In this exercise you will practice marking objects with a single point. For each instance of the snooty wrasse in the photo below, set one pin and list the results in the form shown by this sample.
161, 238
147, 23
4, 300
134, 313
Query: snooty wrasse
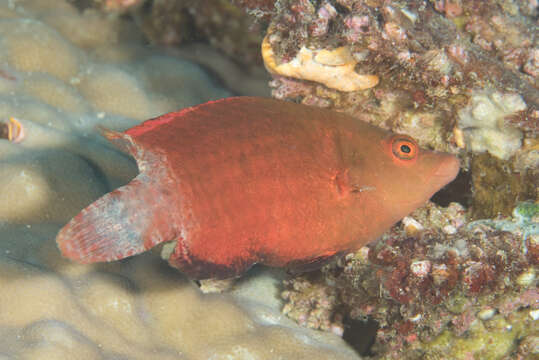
249, 180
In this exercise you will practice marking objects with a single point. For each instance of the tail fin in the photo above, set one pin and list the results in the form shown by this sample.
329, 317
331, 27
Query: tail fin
125, 222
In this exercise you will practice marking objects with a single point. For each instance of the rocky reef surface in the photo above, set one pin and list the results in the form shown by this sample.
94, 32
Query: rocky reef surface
460, 76
63, 71
192, 26
437, 286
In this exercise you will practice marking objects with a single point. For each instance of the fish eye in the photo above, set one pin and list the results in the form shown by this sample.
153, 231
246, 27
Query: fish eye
404, 147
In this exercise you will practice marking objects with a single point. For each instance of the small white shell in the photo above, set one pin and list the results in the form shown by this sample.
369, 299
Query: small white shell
420, 268
486, 314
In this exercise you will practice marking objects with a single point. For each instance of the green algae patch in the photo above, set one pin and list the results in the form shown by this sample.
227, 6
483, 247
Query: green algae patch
497, 187
487, 340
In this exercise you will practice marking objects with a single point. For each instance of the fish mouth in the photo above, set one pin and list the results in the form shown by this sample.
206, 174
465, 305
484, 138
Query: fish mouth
447, 171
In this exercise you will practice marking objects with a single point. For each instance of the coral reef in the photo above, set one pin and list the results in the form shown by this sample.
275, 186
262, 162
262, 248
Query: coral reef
502, 33
253, 82
525, 222
138, 309
496, 188
483, 126
56, 86
438, 287
62, 72
458, 76
217, 22
202, 31
312, 304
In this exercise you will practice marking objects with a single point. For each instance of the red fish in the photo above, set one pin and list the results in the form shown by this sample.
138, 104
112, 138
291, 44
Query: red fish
248, 180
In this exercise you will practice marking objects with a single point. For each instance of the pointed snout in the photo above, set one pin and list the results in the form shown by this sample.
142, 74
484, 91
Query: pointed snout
447, 170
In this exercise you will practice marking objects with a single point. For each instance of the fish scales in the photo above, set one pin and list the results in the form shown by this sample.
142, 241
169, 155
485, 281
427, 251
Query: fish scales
252, 180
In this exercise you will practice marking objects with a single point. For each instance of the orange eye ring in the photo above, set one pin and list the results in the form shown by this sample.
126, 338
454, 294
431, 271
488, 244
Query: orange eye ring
404, 147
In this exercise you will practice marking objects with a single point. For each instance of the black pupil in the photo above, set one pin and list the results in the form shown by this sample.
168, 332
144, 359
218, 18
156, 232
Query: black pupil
406, 149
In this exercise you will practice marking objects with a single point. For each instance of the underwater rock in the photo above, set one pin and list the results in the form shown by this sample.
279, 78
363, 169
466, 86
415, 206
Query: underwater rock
484, 127
217, 22
497, 186
334, 68
435, 80
451, 287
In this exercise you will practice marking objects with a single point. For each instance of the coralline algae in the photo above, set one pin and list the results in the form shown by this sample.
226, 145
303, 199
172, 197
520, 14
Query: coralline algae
456, 75
525, 222
460, 77
435, 285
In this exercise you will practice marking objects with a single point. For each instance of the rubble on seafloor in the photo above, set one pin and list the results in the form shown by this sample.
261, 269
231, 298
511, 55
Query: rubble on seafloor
437, 285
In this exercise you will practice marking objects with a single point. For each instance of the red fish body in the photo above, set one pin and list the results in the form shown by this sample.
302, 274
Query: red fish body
251, 180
